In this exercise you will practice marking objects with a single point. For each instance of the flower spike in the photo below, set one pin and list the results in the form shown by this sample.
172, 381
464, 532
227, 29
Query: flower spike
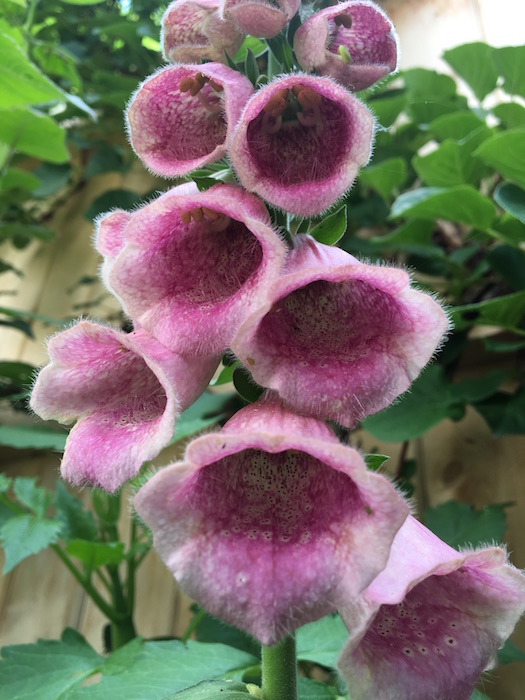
264, 18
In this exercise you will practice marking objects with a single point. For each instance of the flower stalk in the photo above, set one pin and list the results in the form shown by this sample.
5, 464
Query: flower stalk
279, 670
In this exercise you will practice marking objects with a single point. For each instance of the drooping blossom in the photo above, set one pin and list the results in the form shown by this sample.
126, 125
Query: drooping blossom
182, 116
271, 523
192, 30
432, 621
338, 338
195, 264
353, 42
263, 18
125, 391
109, 238
300, 142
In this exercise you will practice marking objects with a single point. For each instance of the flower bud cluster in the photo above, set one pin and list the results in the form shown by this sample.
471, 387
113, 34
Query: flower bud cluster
272, 522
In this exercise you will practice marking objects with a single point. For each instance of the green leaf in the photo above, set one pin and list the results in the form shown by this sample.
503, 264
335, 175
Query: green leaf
27, 436
414, 236
425, 83
495, 345
95, 554
509, 263
55, 61
34, 497
385, 176
511, 114
444, 167
505, 312
429, 401
104, 160
77, 523
17, 230
25, 535
251, 68
48, 669
375, 461
478, 695
35, 134
205, 412
455, 126
210, 629
225, 376
331, 229
52, 177
309, 689
16, 178
163, 668
506, 153
322, 641
473, 63
213, 690
511, 198
473, 390
245, 385
509, 653
509, 62
113, 199
462, 203
19, 372
459, 524
256, 46
504, 413
388, 106
21, 83
82, 2
5, 482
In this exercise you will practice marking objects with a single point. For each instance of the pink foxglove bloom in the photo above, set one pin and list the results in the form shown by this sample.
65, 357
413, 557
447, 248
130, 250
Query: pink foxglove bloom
432, 621
300, 142
125, 390
269, 523
192, 30
182, 116
353, 42
109, 238
339, 339
195, 264
263, 18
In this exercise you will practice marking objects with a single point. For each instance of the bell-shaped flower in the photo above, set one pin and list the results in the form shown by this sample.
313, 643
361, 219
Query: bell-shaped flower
263, 18
182, 116
271, 522
195, 264
339, 339
109, 238
125, 391
353, 42
192, 30
300, 142
432, 621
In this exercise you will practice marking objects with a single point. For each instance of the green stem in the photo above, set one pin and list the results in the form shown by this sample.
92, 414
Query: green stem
279, 670
195, 621
122, 633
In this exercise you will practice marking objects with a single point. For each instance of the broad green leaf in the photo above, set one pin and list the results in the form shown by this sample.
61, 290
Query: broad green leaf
55, 61
509, 62
205, 412
47, 670
21, 83
429, 401
5, 482
52, 177
459, 524
163, 668
509, 653
322, 641
443, 167
509, 263
422, 82
510, 113
15, 177
506, 153
19, 372
25, 535
257, 46
82, 2
506, 312
413, 236
245, 385
34, 497
495, 345
210, 629
478, 695
77, 523
33, 133
251, 69
455, 126
18, 230
123, 658
385, 176
95, 554
28, 436
225, 376
375, 461
331, 229
472, 390
309, 689
462, 203
512, 199
504, 413
114, 199
473, 63
213, 690
388, 106
105, 159
509, 230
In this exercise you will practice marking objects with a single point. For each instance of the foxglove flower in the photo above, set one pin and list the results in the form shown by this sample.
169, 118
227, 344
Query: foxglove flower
339, 339
109, 238
353, 42
300, 142
195, 264
182, 116
432, 621
192, 30
263, 18
125, 390
269, 523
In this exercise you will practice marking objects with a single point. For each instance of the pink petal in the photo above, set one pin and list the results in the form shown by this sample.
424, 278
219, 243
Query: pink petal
191, 284
268, 524
260, 17
339, 339
304, 161
174, 132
